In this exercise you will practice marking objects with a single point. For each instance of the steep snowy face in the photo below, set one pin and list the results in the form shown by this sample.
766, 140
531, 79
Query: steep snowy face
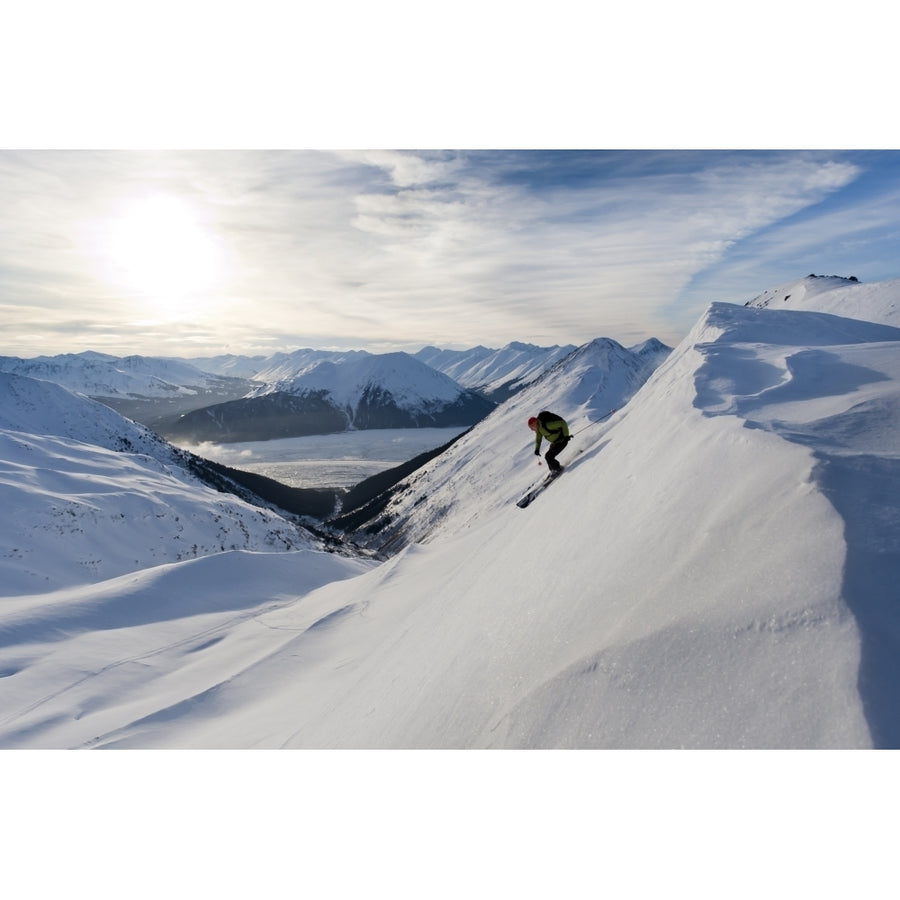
705, 574
458, 487
604, 371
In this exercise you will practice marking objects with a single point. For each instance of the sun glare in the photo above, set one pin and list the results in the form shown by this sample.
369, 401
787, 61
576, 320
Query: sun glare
160, 250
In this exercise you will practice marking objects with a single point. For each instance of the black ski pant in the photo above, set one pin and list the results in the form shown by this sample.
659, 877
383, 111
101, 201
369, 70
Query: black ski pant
556, 447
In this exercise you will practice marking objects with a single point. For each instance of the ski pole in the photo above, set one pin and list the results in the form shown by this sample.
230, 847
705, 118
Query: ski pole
602, 418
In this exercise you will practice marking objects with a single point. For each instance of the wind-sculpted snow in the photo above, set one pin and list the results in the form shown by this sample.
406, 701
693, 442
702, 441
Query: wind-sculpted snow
846, 297
173, 627
717, 568
836, 391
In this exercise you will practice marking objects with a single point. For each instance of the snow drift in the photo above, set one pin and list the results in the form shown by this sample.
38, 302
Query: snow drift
835, 294
717, 568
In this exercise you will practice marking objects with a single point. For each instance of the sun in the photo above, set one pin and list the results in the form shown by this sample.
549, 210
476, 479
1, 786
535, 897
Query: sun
158, 248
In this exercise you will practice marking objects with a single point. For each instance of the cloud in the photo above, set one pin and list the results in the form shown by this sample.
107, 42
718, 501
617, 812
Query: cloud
407, 169
365, 248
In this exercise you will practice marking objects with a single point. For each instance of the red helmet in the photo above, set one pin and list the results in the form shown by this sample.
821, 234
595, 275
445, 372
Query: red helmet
532, 423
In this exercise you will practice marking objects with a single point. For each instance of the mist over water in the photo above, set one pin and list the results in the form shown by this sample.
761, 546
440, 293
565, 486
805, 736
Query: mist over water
327, 460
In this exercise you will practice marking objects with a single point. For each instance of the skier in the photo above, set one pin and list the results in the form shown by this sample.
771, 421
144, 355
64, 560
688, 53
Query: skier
556, 430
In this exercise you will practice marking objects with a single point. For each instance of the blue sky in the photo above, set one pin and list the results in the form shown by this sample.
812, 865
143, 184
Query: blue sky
203, 252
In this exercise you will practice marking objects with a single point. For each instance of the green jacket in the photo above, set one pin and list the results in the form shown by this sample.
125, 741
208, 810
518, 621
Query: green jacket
551, 427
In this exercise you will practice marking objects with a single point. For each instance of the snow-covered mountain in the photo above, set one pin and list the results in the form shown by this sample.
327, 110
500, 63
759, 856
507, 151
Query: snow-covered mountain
716, 568
88, 495
457, 487
99, 375
144, 388
495, 373
303, 392
231, 365
318, 393
283, 368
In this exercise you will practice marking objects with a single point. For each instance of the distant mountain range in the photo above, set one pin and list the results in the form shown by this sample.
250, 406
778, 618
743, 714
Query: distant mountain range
143, 388
497, 374
716, 569
235, 398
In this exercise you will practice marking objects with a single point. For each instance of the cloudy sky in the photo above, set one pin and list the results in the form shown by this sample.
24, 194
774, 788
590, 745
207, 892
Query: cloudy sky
203, 252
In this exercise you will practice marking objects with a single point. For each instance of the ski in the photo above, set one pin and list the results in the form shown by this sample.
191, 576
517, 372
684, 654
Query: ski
525, 499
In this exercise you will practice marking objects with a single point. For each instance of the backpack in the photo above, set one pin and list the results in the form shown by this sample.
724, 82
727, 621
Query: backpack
545, 418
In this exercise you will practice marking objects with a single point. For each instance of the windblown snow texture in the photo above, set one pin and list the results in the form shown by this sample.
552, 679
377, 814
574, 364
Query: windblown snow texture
717, 569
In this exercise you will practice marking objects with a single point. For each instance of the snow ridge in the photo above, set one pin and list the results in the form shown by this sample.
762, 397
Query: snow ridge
717, 568
835, 294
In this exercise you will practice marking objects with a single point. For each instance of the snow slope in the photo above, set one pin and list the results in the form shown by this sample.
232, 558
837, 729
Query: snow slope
461, 486
717, 568
834, 294
88, 495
